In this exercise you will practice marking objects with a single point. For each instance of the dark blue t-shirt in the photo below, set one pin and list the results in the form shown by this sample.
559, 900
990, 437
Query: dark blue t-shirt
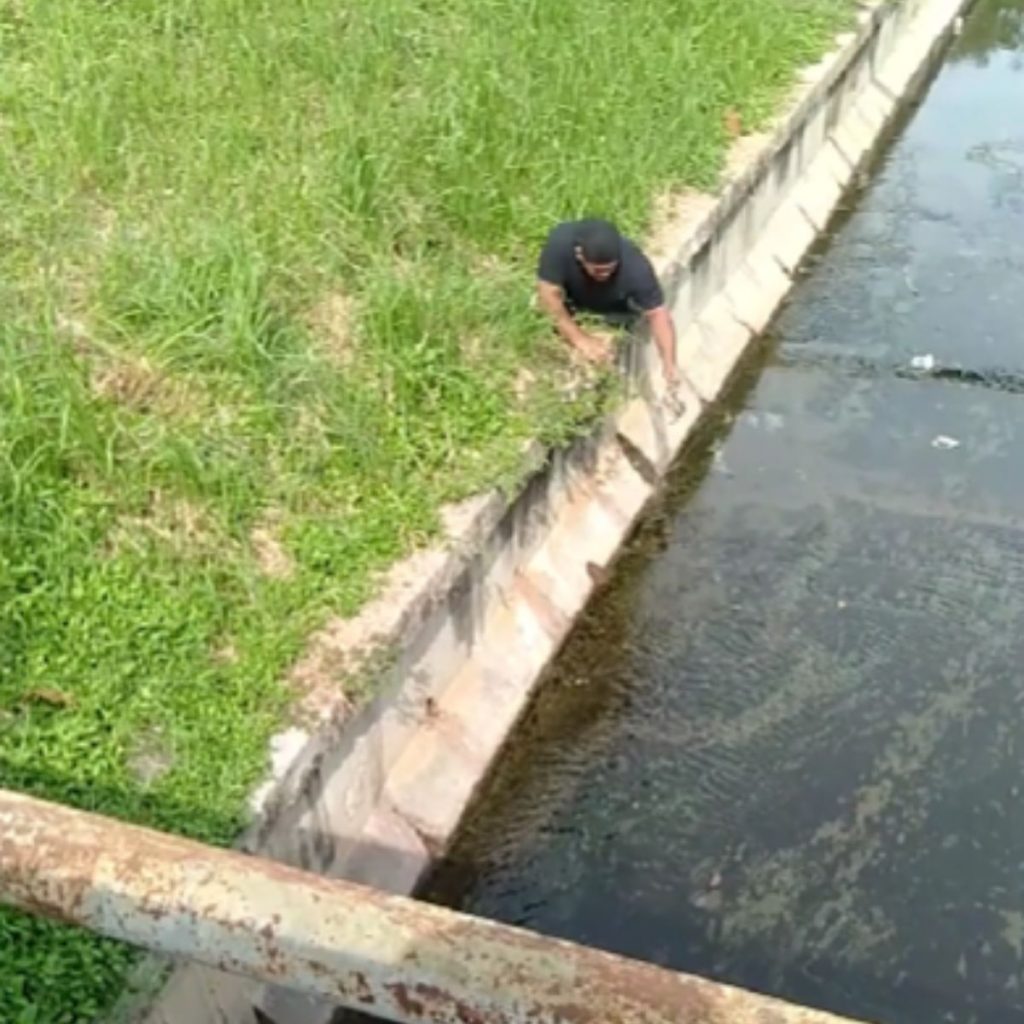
633, 288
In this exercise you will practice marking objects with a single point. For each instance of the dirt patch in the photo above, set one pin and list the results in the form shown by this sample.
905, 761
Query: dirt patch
494, 266
524, 384
138, 384
332, 323
732, 121
673, 216
743, 152
75, 331
269, 550
226, 653
182, 525
135, 384
473, 348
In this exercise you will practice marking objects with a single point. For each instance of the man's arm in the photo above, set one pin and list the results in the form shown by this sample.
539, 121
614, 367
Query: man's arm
650, 297
663, 330
550, 298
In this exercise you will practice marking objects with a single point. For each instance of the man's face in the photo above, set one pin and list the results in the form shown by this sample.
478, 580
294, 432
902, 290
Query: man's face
596, 271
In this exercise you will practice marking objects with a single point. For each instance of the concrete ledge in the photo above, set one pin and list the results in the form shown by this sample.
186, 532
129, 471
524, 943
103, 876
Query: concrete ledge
375, 794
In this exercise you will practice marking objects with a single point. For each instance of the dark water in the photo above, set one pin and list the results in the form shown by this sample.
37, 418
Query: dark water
786, 747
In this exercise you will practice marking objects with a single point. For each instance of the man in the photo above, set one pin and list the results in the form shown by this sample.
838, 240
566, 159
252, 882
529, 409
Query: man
587, 266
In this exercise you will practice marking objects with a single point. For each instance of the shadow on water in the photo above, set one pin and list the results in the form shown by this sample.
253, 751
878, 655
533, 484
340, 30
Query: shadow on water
784, 746
993, 28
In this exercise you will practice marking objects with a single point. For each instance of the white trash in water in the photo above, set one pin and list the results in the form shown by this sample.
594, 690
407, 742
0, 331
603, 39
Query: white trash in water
925, 362
945, 443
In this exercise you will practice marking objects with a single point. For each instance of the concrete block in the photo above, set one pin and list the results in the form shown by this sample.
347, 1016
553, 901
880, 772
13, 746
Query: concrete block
813, 135
626, 494
896, 70
433, 781
283, 1006
452, 642
230, 997
681, 305
790, 235
743, 296
489, 701
554, 586
334, 809
858, 131
590, 537
640, 424
531, 635
871, 117
535, 590
689, 343
731, 246
758, 290
723, 341
818, 195
390, 854
438, 774
702, 282
911, 38
201, 995
886, 34
835, 164
877, 103
766, 199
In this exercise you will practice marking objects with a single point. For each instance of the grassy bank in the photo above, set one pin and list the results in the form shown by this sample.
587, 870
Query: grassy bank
263, 276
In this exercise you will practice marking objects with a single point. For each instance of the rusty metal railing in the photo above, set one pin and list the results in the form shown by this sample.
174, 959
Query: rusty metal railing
394, 957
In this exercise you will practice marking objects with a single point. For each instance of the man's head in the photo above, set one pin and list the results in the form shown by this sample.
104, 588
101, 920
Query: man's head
598, 249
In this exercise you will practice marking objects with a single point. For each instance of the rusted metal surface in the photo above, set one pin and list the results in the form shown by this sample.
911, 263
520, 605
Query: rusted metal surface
399, 959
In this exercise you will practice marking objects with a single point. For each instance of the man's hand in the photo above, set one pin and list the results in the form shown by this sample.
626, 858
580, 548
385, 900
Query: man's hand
673, 401
597, 348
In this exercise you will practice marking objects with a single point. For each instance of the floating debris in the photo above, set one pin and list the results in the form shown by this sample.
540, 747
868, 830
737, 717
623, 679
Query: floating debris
719, 464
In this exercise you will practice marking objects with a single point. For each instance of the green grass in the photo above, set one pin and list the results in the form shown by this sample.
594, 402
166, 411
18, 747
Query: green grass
268, 262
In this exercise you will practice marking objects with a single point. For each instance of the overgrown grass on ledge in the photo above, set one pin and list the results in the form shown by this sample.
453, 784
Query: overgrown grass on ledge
264, 270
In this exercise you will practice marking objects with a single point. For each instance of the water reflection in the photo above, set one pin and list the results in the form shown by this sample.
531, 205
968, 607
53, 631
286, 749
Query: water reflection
994, 27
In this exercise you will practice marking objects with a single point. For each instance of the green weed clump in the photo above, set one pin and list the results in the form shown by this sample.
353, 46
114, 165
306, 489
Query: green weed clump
264, 270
